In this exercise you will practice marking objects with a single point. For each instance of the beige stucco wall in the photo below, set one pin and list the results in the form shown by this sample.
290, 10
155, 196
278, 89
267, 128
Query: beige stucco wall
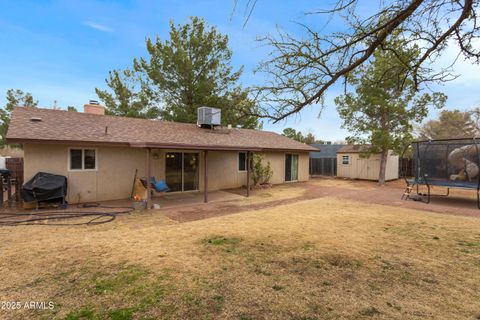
112, 180
304, 166
116, 169
223, 171
366, 168
277, 161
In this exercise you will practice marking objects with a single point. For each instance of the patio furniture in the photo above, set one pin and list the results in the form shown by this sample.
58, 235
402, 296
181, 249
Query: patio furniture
45, 187
159, 186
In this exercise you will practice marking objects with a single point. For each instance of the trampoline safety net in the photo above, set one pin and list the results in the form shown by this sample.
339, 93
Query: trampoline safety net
451, 163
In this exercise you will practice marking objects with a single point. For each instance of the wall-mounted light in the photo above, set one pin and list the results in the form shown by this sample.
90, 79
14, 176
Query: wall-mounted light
156, 156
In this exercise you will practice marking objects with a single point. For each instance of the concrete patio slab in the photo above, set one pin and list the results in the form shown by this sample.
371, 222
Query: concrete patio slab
172, 200
181, 199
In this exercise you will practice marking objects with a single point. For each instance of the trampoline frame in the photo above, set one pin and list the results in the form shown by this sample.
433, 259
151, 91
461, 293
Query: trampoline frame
424, 180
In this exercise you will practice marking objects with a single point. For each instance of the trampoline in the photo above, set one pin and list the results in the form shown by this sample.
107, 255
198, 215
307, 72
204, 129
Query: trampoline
449, 163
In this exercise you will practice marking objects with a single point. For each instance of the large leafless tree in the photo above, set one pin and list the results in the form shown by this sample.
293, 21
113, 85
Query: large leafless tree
300, 70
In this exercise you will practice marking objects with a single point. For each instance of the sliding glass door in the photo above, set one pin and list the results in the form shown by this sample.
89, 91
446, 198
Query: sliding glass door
181, 171
190, 171
291, 167
173, 171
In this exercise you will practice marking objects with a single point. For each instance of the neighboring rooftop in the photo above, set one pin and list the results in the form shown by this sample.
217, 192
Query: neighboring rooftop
350, 148
37, 125
326, 150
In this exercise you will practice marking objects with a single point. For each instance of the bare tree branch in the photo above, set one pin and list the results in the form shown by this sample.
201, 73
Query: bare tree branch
300, 70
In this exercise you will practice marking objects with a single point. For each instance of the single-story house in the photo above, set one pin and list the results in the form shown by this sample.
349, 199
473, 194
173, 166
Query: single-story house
324, 161
351, 164
99, 154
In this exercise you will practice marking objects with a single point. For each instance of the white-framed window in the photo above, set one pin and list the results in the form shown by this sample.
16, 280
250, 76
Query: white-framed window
345, 159
82, 159
242, 161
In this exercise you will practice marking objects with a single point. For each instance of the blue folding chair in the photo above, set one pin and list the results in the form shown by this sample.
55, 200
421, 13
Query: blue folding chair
159, 186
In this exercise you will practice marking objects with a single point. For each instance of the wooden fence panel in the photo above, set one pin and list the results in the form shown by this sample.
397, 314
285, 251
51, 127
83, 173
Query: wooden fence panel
405, 167
15, 166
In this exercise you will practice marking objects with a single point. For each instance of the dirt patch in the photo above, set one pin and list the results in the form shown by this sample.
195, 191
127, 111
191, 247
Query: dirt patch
460, 202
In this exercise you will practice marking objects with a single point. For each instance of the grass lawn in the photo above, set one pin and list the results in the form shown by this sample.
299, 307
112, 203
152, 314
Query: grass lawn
316, 259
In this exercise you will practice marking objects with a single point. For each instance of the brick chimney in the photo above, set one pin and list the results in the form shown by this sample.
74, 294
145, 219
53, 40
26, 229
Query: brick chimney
93, 107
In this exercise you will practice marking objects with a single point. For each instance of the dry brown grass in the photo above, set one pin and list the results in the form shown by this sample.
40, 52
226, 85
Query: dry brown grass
316, 259
273, 193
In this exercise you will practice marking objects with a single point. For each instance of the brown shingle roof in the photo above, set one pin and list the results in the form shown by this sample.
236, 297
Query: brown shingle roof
61, 126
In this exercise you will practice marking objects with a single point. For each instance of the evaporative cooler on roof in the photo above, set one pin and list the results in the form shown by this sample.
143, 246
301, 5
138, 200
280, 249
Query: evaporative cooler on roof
208, 117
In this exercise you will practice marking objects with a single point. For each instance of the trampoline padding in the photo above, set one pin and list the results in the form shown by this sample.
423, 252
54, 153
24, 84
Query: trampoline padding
450, 184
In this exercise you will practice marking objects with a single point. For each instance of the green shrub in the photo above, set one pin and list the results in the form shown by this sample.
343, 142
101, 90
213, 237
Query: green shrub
261, 174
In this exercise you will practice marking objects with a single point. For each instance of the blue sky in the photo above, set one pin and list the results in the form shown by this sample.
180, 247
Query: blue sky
63, 50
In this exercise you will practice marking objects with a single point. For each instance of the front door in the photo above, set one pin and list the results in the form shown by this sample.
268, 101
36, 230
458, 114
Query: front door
181, 171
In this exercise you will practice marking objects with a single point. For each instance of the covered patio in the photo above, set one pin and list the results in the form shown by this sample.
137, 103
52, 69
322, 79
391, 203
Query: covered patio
203, 193
181, 199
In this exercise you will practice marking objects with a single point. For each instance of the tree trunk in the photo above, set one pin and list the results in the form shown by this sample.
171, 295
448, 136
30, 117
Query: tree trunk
383, 167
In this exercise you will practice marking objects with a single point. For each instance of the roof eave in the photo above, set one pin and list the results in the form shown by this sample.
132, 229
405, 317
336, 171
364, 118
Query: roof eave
69, 142
288, 150
155, 145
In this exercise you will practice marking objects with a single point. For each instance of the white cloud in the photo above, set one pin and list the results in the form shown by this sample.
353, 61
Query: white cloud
467, 71
98, 26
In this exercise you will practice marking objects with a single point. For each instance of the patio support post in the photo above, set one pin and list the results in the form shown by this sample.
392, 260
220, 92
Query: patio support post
205, 176
248, 173
2, 184
149, 194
